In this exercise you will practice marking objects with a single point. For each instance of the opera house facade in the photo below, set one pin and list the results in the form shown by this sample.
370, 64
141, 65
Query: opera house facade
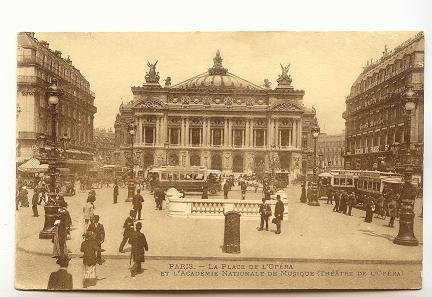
218, 120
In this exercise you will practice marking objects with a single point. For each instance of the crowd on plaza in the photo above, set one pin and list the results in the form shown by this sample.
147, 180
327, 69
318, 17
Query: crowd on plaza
385, 205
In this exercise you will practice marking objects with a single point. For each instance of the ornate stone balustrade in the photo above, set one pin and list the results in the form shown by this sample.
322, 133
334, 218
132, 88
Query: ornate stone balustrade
215, 208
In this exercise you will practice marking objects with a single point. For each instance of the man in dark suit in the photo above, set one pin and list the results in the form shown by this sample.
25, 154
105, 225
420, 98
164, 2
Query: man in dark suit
226, 188
99, 232
35, 200
279, 211
61, 279
265, 213
128, 229
137, 202
116, 192
139, 245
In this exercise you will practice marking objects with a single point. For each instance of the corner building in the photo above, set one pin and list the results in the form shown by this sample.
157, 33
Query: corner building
37, 65
375, 116
216, 119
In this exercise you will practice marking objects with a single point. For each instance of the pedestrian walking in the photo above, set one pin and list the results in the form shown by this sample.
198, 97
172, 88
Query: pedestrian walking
392, 207
99, 231
89, 247
88, 213
139, 246
351, 202
243, 188
329, 195
279, 211
115, 192
24, 197
303, 197
159, 196
370, 208
128, 229
61, 279
226, 188
336, 197
59, 238
137, 202
35, 201
265, 212
343, 202
204, 191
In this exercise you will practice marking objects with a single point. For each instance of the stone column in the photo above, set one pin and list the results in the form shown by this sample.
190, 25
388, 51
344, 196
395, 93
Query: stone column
208, 132
203, 137
247, 133
277, 138
230, 133
165, 129
158, 130
187, 142
225, 132
300, 132
269, 132
182, 132
251, 134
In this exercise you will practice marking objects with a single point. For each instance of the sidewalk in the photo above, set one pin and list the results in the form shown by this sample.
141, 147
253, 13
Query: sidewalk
309, 233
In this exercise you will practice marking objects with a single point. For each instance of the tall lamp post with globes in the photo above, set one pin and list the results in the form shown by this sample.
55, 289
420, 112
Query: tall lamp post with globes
49, 153
409, 191
313, 201
131, 181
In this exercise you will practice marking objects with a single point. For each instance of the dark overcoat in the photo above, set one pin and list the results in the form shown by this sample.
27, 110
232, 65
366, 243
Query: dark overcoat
139, 245
279, 210
60, 280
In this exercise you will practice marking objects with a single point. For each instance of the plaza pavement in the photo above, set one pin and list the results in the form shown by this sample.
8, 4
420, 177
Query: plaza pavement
308, 233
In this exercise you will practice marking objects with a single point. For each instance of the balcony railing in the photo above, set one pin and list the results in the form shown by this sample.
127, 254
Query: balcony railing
30, 79
27, 135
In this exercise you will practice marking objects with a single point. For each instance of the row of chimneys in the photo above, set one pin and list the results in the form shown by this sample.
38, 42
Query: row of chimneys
46, 44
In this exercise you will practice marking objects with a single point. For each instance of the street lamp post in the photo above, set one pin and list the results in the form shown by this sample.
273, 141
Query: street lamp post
314, 187
409, 192
50, 154
131, 181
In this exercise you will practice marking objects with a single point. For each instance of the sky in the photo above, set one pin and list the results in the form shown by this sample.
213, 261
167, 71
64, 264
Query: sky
323, 64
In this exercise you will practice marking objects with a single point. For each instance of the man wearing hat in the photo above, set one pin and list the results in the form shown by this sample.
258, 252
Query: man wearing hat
99, 232
61, 279
279, 211
139, 245
128, 229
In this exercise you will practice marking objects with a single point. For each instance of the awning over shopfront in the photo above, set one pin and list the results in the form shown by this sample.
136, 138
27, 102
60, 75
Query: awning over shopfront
33, 166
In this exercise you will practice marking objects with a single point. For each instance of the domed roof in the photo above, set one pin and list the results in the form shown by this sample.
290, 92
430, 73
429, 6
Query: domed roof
217, 77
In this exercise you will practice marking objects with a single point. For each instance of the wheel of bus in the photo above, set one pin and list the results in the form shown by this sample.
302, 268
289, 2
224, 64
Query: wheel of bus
213, 191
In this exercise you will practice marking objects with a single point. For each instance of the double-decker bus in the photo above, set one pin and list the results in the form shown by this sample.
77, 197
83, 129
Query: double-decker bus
188, 179
374, 183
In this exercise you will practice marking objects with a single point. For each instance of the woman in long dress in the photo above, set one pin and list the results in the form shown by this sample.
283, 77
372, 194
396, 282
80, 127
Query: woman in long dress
370, 208
89, 247
59, 239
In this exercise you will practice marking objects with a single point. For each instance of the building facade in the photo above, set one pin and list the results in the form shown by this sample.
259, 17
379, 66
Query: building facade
37, 65
375, 116
330, 149
104, 144
218, 120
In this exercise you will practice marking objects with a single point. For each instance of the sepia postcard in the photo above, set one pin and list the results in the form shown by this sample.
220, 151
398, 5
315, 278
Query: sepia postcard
219, 160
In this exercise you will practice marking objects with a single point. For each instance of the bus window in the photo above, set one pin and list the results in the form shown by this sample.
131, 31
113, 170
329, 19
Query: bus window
342, 181
369, 186
182, 176
336, 181
164, 176
349, 182
175, 176
376, 186
199, 176
170, 176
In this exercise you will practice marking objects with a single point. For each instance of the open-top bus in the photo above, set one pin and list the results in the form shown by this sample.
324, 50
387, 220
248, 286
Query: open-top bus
188, 179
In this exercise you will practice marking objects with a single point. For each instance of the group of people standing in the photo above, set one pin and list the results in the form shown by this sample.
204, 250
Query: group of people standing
266, 212
382, 206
